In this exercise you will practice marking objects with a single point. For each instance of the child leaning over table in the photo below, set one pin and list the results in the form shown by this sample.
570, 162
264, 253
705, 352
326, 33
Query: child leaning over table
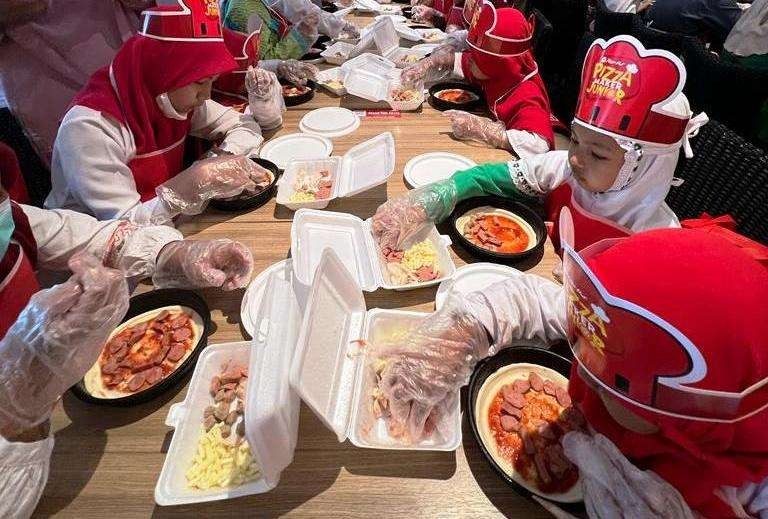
617, 172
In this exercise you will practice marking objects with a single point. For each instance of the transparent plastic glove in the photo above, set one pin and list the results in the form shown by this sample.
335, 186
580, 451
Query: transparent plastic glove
265, 98
218, 177
55, 340
223, 264
428, 3
470, 127
426, 14
424, 372
433, 68
307, 27
349, 32
297, 72
615, 488
401, 219
455, 41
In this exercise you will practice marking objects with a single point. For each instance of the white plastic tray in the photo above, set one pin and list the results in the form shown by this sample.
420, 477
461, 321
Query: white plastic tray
351, 240
295, 146
330, 121
433, 167
366, 165
333, 377
471, 278
331, 53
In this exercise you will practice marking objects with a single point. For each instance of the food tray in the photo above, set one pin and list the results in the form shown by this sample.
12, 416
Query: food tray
331, 54
251, 202
300, 99
439, 104
332, 74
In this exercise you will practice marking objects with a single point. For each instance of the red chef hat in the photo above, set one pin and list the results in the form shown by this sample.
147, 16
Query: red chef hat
183, 20
625, 89
472, 6
670, 324
499, 32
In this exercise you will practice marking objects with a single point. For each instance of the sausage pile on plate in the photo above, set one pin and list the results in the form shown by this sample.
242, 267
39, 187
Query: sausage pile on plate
228, 392
142, 355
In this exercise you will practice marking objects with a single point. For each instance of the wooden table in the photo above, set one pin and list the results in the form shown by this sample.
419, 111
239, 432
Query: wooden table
106, 461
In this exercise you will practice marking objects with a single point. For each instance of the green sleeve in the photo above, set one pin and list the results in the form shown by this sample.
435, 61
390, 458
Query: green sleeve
271, 46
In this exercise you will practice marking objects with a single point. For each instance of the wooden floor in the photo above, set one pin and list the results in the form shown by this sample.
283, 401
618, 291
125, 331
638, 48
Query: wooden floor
106, 461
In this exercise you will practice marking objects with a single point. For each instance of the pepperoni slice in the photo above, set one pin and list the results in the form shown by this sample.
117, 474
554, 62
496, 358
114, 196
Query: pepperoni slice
536, 382
136, 381
115, 344
182, 334
513, 398
509, 423
562, 396
180, 321
176, 352
154, 375
521, 386
550, 388
511, 410
109, 367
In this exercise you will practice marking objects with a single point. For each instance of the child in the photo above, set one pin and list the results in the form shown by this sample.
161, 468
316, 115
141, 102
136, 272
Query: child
500, 62
617, 172
124, 136
670, 367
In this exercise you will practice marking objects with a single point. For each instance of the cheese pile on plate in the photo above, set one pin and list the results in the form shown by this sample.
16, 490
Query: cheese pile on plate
219, 463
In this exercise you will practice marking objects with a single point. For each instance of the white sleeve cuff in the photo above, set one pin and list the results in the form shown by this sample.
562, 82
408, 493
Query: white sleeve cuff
457, 70
526, 144
139, 252
23, 473
520, 175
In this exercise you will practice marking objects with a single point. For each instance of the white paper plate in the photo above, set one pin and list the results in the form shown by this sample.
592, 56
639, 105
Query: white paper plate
296, 146
433, 167
396, 18
471, 278
330, 121
249, 308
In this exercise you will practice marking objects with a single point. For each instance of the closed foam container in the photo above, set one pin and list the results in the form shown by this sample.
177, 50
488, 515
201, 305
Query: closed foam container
331, 54
366, 165
271, 407
370, 63
332, 374
352, 240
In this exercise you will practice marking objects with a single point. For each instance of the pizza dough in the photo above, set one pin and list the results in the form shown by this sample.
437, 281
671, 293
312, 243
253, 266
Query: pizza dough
463, 220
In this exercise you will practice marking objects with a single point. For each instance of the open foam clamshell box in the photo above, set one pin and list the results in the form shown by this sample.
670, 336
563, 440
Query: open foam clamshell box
352, 240
334, 377
365, 166
271, 407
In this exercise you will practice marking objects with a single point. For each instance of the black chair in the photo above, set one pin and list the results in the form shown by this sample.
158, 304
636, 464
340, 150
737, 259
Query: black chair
655, 39
609, 24
564, 95
728, 92
568, 19
727, 174
542, 33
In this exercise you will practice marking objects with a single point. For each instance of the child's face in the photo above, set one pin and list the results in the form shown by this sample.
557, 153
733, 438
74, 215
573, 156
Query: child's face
187, 98
595, 159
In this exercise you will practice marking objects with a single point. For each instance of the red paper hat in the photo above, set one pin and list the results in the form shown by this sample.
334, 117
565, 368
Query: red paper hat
497, 31
639, 357
471, 6
183, 20
625, 87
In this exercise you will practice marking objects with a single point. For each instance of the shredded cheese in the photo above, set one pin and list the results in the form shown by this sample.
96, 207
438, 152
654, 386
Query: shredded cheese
300, 196
423, 254
219, 463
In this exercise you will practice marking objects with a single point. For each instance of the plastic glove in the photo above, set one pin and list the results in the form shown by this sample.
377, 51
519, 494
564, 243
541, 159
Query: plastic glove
433, 68
470, 127
424, 372
218, 177
265, 98
297, 72
426, 14
615, 488
408, 217
307, 27
428, 3
455, 41
55, 340
198, 264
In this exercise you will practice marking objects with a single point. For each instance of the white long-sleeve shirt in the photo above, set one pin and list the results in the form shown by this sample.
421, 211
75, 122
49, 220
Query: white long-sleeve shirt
528, 307
525, 144
90, 172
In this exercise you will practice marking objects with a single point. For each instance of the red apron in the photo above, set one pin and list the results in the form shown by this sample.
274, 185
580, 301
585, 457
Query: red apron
18, 282
230, 89
588, 228
153, 168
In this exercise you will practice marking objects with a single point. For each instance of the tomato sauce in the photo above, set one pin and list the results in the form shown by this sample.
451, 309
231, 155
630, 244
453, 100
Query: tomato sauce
498, 233
511, 446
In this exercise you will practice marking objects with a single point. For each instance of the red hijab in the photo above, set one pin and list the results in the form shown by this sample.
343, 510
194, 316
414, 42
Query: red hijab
717, 295
144, 68
512, 86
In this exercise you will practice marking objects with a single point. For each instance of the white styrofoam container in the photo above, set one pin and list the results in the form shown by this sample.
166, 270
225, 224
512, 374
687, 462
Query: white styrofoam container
367, 85
432, 35
407, 33
369, 63
337, 53
352, 240
395, 55
332, 378
271, 408
366, 165
332, 74
378, 38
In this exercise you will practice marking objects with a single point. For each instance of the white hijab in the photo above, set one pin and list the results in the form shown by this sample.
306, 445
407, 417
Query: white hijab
636, 199
749, 36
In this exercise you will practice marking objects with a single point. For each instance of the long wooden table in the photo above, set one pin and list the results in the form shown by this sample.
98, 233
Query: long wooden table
107, 460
